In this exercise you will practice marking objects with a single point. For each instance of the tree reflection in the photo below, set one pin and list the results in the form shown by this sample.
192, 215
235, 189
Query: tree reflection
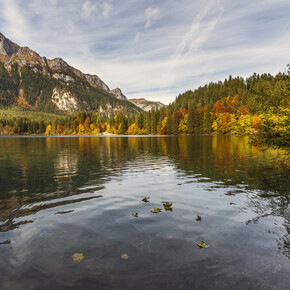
38, 173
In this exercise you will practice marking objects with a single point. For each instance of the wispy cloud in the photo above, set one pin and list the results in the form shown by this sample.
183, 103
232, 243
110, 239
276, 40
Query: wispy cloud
137, 36
151, 15
193, 41
88, 8
14, 21
106, 9
195, 35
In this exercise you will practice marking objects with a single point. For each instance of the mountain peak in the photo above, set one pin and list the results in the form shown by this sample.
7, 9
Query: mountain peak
145, 104
118, 94
7, 47
58, 63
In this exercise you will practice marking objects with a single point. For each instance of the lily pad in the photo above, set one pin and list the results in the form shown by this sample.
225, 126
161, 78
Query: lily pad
78, 257
202, 245
156, 210
167, 205
146, 199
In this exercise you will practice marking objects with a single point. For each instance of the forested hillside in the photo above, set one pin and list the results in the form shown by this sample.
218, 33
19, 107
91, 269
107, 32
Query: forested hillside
258, 106
51, 85
25, 87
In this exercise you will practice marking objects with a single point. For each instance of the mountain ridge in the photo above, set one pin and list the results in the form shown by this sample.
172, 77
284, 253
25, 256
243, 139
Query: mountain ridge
27, 79
146, 105
20, 55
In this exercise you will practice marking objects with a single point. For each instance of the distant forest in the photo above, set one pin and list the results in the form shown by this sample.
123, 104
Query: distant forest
258, 106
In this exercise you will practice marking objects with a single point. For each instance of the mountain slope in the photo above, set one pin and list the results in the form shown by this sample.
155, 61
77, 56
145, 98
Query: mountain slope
146, 105
27, 79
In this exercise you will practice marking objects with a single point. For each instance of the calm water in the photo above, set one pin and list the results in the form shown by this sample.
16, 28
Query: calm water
60, 196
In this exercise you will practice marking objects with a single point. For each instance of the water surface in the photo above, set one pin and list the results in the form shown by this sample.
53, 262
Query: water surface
60, 196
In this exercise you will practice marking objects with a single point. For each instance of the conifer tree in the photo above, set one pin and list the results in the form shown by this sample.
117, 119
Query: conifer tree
175, 123
169, 123
191, 121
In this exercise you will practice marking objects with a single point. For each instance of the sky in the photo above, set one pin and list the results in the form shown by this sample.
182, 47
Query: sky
155, 49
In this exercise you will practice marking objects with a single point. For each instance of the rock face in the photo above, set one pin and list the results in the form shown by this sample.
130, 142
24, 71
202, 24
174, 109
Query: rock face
118, 94
12, 53
146, 105
54, 84
7, 47
65, 101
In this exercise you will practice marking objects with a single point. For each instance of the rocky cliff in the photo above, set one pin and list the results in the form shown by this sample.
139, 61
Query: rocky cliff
146, 105
69, 89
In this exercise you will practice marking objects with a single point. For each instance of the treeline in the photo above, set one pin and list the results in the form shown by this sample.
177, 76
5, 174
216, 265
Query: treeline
257, 106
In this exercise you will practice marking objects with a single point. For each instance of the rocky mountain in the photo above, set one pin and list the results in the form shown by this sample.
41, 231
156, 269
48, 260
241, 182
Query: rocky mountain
27, 79
146, 105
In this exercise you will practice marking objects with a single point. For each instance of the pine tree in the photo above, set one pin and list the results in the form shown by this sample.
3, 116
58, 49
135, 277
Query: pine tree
169, 124
191, 121
153, 122
175, 123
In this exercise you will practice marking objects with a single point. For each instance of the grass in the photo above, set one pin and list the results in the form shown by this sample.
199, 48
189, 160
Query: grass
32, 115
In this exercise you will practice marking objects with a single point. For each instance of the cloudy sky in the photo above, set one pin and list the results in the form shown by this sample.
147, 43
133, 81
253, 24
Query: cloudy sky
155, 49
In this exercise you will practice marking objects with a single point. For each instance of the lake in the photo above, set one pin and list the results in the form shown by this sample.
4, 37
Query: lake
61, 196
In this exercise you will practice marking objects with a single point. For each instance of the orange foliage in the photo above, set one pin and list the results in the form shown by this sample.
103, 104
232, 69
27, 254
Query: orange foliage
218, 107
7, 130
225, 122
99, 129
59, 129
243, 110
78, 121
257, 123
181, 113
21, 101
87, 123
229, 108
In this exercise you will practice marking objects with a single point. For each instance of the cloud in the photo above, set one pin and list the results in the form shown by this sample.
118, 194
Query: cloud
106, 9
136, 39
87, 9
15, 24
195, 42
195, 35
151, 15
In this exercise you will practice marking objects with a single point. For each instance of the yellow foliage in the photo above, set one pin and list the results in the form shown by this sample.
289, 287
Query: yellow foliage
48, 130
81, 129
183, 124
163, 126
245, 124
133, 129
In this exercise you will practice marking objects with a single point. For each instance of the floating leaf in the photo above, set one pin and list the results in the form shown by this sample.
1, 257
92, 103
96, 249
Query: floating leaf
77, 257
7, 242
202, 245
135, 214
198, 218
146, 199
125, 257
64, 212
167, 205
156, 210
